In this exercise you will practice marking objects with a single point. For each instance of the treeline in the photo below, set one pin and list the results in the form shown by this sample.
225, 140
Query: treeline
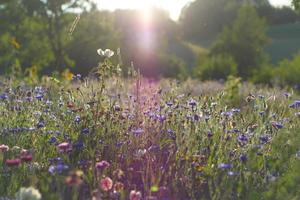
49, 37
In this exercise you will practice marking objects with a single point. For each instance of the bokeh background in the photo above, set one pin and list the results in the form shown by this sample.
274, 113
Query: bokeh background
258, 40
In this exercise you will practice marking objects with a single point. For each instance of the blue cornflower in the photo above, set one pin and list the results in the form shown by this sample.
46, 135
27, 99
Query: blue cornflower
40, 124
85, 131
76, 77
4, 96
226, 114
231, 173
171, 134
242, 138
264, 139
235, 110
192, 102
224, 166
78, 145
277, 125
243, 158
295, 104
52, 140
137, 131
77, 119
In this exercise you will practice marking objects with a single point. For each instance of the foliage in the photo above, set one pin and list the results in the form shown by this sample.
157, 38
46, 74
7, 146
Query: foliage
244, 41
216, 67
288, 72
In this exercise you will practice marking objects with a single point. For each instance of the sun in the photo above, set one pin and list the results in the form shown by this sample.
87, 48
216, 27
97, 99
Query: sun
172, 6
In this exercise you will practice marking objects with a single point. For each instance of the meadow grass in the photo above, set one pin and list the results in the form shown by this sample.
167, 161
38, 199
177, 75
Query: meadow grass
144, 139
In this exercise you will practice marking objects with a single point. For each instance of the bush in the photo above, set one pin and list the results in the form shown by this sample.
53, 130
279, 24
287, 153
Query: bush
288, 72
217, 67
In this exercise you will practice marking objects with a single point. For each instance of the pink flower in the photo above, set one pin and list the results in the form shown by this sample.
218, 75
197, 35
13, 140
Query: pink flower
13, 162
106, 184
102, 165
64, 147
4, 148
135, 195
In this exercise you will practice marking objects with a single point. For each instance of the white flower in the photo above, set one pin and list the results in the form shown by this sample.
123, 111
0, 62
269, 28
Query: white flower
28, 193
105, 53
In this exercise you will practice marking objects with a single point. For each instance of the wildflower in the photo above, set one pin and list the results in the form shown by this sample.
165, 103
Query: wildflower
4, 148
28, 193
76, 77
85, 131
64, 147
118, 187
235, 110
277, 125
77, 119
242, 138
137, 131
52, 140
26, 156
102, 165
224, 166
74, 178
192, 102
135, 195
40, 124
59, 168
295, 104
231, 173
106, 184
243, 158
13, 162
209, 134
4, 96
226, 114
105, 53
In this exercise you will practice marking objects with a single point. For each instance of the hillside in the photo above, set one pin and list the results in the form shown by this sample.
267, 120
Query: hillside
285, 41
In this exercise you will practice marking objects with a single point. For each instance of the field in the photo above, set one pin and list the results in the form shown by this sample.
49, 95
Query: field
143, 139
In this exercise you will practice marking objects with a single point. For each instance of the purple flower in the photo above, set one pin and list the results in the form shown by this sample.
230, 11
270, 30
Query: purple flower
295, 104
209, 134
40, 125
243, 138
243, 158
137, 131
277, 125
224, 166
231, 173
85, 131
52, 140
226, 114
192, 102
4, 96
235, 110
78, 145
76, 77
102, 165
77, 119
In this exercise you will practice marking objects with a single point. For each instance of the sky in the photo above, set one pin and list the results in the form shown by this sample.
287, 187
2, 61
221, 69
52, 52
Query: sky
172, 6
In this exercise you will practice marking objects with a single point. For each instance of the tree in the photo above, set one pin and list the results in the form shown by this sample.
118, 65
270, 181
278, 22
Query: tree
54, 16
204, 19
244, 41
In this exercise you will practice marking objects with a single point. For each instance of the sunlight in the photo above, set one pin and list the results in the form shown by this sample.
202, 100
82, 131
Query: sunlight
173, 7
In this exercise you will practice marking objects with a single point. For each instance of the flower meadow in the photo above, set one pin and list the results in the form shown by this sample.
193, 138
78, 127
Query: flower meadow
139, 139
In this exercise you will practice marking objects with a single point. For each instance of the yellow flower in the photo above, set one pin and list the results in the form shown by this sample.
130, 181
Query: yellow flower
15, 43
67, 75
